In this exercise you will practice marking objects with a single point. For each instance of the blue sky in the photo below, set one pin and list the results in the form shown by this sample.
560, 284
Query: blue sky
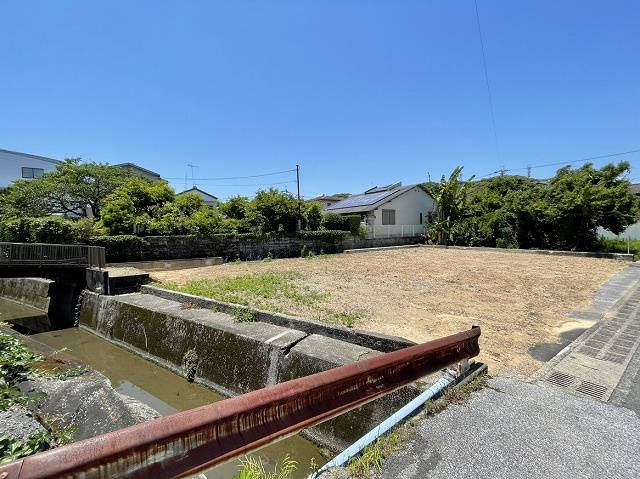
358, 93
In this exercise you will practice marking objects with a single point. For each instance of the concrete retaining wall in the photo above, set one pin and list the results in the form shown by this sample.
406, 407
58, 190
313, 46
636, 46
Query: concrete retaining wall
233, 357
379, 342
581, 254
182, 247
34, 292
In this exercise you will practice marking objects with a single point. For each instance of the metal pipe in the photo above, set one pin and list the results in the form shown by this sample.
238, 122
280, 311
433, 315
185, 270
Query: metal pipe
389, 423
188, 442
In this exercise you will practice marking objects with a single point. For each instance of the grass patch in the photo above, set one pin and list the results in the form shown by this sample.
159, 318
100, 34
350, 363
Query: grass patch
619, 245
347, 319
372, 458
254, 468
264, 289
244, 315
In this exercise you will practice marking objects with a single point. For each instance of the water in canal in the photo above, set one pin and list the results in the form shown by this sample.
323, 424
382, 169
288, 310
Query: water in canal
166, 392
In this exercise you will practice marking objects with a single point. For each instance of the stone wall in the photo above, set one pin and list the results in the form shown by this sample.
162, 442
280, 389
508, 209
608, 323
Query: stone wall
182, 247
234, 357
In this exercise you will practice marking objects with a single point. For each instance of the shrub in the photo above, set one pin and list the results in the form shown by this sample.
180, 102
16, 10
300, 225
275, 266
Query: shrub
48, 229
312, 216
332, 221
352, 223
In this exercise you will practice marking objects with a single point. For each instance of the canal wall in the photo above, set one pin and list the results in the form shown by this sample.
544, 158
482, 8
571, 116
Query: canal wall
234, 356
35, 292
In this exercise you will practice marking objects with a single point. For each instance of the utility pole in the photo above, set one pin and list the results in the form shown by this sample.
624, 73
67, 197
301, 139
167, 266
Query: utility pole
502, 170
528, 171
299, 222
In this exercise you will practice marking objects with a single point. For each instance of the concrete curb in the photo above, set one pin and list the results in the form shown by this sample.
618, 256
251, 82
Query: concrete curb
379, 342
579, 254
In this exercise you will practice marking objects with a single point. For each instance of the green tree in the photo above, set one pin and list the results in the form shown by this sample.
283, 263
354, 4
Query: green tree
73, 188
450, 196
273, 211
235, 207
312, 216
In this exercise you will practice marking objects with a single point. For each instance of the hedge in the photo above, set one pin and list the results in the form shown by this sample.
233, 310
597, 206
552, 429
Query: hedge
48, 229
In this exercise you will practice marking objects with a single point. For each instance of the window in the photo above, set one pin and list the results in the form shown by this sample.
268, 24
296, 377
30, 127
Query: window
32, 172
388, 217
420, 218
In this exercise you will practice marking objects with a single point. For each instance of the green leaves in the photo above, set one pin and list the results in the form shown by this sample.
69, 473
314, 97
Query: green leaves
516, 212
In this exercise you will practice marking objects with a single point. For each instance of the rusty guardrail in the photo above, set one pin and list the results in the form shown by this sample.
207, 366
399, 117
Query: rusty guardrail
185, 443
40, 254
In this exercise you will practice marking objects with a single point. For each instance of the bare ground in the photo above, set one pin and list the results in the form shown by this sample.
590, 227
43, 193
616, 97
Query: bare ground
520, 301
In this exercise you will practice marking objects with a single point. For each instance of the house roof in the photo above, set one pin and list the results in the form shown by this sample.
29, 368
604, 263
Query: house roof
194, 189
371, 199
28, 155
328, 198
137, 167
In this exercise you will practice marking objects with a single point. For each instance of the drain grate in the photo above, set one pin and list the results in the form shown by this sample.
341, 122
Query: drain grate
560, 379
596, 391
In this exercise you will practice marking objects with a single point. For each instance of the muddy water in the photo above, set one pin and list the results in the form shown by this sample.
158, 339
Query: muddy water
166, 392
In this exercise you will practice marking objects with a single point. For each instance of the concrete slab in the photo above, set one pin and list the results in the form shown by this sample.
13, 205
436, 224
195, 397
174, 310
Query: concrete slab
516, 429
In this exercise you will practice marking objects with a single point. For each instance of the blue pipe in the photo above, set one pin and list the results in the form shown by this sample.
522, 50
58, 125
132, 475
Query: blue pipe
397, 417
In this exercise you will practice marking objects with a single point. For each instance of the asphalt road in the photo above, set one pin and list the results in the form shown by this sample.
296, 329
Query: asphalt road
513, 429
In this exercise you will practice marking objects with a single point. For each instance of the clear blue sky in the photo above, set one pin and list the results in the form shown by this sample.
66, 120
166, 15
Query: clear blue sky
358, 92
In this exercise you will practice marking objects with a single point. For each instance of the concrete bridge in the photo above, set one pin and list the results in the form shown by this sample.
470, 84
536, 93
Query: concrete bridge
72, 268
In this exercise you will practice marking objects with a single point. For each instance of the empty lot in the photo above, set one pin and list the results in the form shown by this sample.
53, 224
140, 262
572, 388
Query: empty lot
520, 300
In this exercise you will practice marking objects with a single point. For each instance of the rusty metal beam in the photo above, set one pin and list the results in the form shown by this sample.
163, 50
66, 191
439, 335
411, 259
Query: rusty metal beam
191, 441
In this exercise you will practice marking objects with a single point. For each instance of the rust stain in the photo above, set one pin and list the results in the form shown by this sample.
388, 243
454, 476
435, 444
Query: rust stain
190, 441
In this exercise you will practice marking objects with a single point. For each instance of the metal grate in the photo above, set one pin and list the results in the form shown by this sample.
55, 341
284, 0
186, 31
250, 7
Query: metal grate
596, 391
561, 379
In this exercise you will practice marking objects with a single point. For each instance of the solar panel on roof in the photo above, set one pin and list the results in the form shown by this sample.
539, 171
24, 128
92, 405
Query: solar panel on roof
361, 200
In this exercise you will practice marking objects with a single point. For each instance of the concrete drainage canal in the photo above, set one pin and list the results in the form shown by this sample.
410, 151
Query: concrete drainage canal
172, 355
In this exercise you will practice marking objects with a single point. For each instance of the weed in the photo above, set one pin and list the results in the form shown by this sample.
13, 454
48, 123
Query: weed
12, 448
265, 289
15, 362
268, 258
252, 468
373, 456
244, 315
347, 319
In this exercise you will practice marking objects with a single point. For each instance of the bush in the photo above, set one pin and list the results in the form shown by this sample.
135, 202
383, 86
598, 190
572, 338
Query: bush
619, 245
332, 221
118, 241
323, 235
48, 229
352, 223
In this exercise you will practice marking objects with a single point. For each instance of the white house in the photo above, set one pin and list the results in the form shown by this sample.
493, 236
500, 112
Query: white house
392, 210
15, 166
207, 198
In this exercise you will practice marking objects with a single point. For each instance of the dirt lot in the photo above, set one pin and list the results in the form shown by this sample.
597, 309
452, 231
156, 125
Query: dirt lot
421, 293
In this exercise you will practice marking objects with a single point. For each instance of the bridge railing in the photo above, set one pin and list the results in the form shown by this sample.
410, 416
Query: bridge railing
185, 443
42, 254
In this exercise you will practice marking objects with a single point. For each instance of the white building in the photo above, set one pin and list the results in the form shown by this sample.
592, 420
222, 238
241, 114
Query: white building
207, 198
392, 210
15, 166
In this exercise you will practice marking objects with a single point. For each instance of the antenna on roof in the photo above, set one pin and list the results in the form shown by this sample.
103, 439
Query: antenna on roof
193, 181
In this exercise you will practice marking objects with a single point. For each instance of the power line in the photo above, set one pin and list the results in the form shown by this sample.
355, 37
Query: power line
253, 184
559, 163
237, 177
486, 78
